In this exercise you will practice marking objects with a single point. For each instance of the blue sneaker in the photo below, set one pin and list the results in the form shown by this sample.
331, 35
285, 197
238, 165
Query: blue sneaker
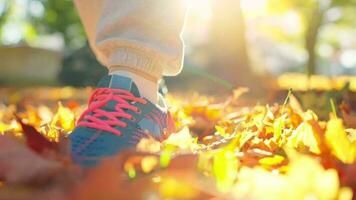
117, 118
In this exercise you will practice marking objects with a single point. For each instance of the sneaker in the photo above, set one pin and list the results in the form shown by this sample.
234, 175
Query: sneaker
117, 118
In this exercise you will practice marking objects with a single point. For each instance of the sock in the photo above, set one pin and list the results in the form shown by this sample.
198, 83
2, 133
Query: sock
148, 88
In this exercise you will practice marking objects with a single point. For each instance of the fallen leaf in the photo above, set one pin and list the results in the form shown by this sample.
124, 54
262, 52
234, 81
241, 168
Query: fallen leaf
18, 164
339, 142
35, 140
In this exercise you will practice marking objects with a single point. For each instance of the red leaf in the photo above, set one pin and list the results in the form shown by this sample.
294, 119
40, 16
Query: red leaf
35, 140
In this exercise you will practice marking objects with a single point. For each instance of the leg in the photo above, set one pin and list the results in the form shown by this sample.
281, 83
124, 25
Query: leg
139, 41
136, 38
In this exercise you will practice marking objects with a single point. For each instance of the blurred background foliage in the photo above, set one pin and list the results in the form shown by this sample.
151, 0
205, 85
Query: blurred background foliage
30, 21
229, 42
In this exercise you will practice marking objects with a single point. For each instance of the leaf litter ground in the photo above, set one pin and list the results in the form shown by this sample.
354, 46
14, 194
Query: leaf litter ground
220, 150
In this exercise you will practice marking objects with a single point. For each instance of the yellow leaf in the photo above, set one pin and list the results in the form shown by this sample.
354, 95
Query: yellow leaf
148, 163
309, 179
64, 117
278, 126
171, 188
345, 194
304, 135
166, 156
183, 139
245, 137
225, 166
220, 130
271, 161
3, 127
130, 170
339, 142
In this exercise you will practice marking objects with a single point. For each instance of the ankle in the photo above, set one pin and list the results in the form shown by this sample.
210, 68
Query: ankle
148, 88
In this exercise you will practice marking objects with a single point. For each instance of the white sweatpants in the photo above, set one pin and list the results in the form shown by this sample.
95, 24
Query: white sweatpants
142, 36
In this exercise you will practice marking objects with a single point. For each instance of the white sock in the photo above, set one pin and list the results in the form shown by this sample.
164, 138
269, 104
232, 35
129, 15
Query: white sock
148, 88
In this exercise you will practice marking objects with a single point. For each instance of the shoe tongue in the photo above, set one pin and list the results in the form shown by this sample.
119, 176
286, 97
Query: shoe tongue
119, 82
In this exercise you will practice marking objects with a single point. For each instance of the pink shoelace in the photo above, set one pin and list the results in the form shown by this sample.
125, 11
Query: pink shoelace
92, 117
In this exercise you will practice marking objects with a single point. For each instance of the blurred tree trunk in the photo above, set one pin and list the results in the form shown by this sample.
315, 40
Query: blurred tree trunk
227, 49
311, 38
